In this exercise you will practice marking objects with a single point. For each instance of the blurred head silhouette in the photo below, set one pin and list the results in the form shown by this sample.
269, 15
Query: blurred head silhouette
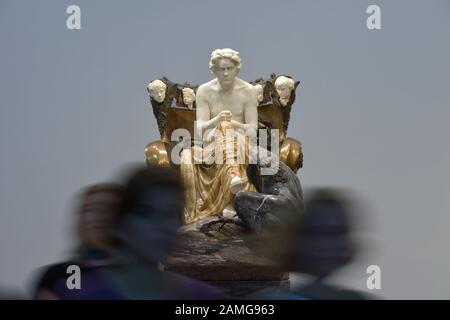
153, 205
100, 207
321, 243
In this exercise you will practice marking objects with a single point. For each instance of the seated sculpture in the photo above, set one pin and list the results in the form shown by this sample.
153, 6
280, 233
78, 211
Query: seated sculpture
226, 104
221, 104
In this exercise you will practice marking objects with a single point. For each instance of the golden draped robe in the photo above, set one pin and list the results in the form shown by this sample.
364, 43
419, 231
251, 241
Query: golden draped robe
207, 173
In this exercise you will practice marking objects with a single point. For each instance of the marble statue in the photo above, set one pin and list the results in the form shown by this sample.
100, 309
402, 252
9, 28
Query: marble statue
223, 104
207, 112
225, 200
188, 97
259, 92
157, 90
284, 86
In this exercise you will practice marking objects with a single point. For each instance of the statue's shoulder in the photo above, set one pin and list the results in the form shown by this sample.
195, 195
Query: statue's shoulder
243, 85
207, 87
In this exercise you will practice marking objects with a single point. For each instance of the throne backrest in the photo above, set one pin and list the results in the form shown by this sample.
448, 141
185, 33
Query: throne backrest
172, 113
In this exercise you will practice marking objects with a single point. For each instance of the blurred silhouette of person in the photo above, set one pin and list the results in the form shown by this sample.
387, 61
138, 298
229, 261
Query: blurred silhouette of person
149, 233
318, 246
143, 235
99, 209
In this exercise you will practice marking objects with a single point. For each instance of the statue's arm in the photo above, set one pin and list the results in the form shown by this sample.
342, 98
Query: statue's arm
250, 112
203, 115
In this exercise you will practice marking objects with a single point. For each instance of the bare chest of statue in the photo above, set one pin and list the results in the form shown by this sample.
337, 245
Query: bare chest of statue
233, 101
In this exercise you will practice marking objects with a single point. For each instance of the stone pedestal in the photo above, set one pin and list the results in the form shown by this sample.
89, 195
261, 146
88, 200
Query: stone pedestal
220, 252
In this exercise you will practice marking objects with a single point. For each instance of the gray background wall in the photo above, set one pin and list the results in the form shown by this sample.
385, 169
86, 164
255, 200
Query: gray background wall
372, 112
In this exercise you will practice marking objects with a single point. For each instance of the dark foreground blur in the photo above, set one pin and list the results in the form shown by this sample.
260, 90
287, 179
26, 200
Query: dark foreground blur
318, 246
126, 231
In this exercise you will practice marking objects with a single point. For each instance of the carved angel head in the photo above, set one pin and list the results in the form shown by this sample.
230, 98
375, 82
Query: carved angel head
188, 97
259, 92
284, 87
157, 90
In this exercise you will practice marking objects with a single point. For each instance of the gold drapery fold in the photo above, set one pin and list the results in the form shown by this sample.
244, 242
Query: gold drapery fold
208, 185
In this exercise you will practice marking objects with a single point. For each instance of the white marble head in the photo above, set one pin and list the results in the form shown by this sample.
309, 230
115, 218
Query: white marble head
284, 87
259, 92
157, 90
188, 97
226, 53
225, 65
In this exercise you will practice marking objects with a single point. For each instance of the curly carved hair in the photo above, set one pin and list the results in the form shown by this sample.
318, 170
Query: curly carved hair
227, 53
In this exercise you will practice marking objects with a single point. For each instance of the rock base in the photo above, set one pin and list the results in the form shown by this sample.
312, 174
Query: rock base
221, 252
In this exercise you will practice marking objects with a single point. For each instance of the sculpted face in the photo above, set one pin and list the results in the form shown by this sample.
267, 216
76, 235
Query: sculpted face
284, 87
259, 92
285, 93
159, 95
157, 90
226, 71
188, 97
